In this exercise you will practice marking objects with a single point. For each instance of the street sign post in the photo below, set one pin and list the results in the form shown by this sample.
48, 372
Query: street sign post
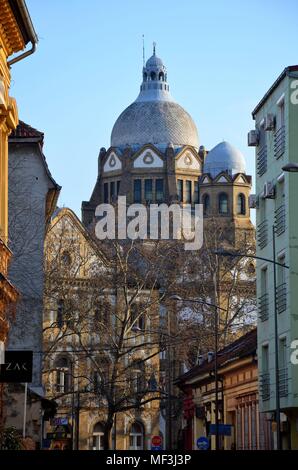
203, 443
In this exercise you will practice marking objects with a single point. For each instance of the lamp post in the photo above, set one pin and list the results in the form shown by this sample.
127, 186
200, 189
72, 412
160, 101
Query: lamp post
275, 263
291, 167
216, 308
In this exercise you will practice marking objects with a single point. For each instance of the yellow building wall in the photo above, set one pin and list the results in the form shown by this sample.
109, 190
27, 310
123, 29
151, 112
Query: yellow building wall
11, 41
67, 233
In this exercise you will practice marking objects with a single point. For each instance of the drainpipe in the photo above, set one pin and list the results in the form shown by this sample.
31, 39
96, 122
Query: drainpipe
31, 33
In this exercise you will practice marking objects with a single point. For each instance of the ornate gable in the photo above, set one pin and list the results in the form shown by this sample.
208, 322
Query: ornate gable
240, 179
206, 180
187, 160
113, 163
148, 158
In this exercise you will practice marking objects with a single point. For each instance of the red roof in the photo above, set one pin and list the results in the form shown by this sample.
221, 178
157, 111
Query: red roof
23, 130
242, 347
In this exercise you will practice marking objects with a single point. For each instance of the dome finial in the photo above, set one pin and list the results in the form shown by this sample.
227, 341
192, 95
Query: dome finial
154, 48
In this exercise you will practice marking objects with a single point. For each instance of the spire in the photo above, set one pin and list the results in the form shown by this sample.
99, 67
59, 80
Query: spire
154, 85
143, 50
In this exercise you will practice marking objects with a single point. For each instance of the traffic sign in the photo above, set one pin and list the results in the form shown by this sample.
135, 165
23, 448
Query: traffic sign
223, 429
59, 422
156, 441
203, 443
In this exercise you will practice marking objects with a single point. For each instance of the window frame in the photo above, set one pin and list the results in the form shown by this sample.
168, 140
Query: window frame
137, 181
158, 191
180, 190
133, 445
220, 211
188, 192
98, 435
206, 209
241, 204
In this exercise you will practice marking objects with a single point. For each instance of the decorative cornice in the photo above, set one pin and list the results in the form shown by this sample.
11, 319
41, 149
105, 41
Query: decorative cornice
10, 33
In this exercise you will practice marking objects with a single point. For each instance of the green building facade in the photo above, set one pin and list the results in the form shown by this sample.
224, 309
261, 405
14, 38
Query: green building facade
276, 202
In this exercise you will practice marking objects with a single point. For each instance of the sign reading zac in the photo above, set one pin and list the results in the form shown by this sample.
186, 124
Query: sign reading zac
17, 367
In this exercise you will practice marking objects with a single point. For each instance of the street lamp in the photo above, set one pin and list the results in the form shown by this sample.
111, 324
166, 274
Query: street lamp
216, 308
275, 263
291, 167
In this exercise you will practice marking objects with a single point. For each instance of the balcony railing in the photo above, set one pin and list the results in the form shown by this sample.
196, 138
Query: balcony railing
280, 220
283, 382
279, 142
265, 386
262, 160
263, 307
262, 234
281, 298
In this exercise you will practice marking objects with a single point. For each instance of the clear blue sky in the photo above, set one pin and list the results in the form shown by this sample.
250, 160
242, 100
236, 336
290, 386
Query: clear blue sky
221, 57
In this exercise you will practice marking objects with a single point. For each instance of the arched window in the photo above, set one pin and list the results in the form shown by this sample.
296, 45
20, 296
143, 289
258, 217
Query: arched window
161, 76
63, 377
136, 437
206, 204
153, 76
241, 209
144, 77
97, 437
223, 206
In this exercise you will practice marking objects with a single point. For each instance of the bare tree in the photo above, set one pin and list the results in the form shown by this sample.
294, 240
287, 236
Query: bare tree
225, 282
112, 306
102, 302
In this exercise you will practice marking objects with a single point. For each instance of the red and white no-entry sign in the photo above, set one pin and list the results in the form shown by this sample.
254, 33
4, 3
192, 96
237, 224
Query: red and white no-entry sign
156, 441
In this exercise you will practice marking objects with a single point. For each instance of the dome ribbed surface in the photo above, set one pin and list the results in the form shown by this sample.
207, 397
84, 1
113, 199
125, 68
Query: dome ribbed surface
154, 122
224, 157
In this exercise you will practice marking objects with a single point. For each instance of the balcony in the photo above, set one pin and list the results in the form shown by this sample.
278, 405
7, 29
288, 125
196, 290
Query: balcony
283, 382
262, 234
280, 220
281, 298
262, 160
265, 386
263, 307
279, 142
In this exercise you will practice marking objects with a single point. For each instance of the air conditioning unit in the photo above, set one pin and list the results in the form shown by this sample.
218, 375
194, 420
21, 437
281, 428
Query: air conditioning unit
253, 201
253, 138
269, 123
269, 190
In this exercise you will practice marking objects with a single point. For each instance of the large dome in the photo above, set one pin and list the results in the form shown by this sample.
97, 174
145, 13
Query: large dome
224, 157
154, 122
154, 117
